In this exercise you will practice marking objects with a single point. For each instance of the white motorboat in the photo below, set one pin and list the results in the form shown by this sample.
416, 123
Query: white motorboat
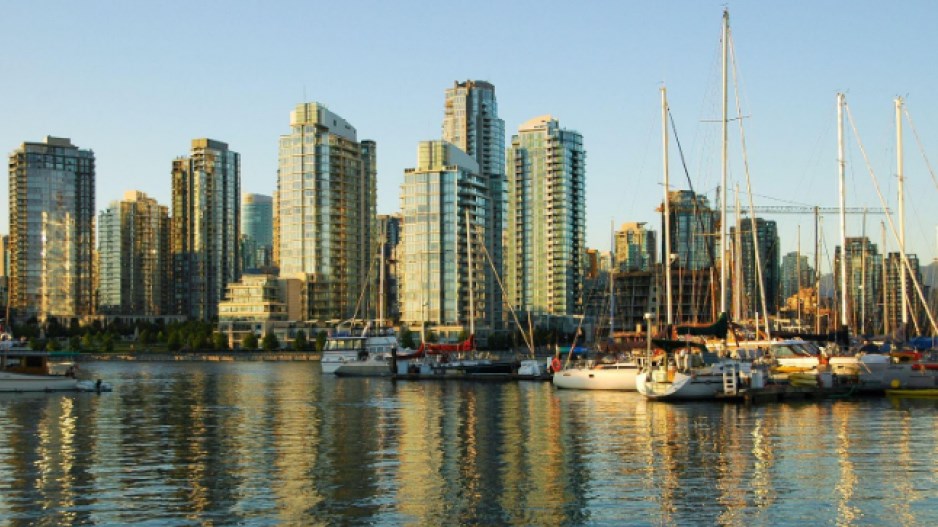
25, 370
367, 354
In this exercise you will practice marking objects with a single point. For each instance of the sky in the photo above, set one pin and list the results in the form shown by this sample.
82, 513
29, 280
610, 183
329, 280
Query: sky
137, 81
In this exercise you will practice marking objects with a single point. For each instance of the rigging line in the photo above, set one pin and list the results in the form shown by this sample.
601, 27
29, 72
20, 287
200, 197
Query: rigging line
752, 208
511, 308
921, 147
690, 185
892, 225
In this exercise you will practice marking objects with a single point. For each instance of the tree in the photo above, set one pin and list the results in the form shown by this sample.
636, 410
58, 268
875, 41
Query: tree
74, 343
299, 341
174, 342
36, 344
270, 342
52, 345
145, 338
219, 341
249, 342
407, 337
108, 342
321, 340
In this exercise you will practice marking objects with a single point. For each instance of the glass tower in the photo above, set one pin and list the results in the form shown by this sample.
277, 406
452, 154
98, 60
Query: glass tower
435, 280
635, 247
52, 188
205, 227
257, 231
768, 246
325, 211
471, 123
546, 229
133, 257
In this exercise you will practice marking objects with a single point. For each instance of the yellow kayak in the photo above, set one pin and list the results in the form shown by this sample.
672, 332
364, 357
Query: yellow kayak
802, 379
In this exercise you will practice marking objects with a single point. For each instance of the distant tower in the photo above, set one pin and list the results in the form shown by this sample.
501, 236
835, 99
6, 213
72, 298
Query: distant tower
205, 227
436, 274
471, 123
693, 231
635, 248
546, 232
52, 189
864, 280
893, 294
325, 211
789, 274
768, 245
133, 255
257, 231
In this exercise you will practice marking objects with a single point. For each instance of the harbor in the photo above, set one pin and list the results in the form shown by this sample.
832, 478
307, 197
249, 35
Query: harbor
266, 442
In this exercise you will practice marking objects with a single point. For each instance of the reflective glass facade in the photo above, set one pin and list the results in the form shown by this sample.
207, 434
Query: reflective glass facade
546, 231
205, 227
257, 231
471, 123
133, 257
52, 188
325, 210
435, 279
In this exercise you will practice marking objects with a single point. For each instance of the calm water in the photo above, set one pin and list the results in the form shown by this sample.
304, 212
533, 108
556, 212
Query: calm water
277, 443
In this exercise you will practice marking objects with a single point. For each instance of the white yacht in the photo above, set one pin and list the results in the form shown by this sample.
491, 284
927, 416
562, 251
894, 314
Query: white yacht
366, 354
25, 370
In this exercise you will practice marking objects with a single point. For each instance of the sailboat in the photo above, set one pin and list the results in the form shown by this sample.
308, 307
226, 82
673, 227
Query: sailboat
688, 370
618, 373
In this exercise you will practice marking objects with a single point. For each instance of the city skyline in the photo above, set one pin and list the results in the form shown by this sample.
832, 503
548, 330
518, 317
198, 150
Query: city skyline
791, 59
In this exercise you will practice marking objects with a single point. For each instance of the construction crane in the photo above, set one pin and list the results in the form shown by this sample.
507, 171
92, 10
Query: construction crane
817, 211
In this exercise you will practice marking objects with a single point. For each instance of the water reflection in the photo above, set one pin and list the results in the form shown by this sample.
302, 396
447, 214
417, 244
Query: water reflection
279, 443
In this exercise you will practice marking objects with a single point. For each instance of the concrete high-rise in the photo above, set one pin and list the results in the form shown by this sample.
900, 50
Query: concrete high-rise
52, 191
325, 211
134, 257
257, 231
546, 219
471, 123
436, 275
205, 227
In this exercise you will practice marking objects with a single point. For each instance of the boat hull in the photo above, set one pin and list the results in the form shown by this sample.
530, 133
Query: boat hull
21, 382
622, 379
366, 368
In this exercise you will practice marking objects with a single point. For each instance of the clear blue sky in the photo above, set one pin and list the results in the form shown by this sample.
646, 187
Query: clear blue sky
136, 81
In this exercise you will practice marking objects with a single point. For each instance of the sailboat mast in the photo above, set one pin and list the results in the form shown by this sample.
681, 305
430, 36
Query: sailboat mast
667, 206
381, 297
882, 225
612, 278
842, 169
900, 177
726, 31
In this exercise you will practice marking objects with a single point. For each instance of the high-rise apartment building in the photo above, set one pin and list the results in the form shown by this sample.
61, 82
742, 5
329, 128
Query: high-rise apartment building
791, 281
437, 279
257, 231
635, 247
864, 283
767, 244
471, 123
892, 309
389, 236
133, 257
546, 231
205, 227
325, 210
52, 190
693, 231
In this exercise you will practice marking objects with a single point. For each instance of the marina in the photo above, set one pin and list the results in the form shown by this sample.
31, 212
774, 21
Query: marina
266, 443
